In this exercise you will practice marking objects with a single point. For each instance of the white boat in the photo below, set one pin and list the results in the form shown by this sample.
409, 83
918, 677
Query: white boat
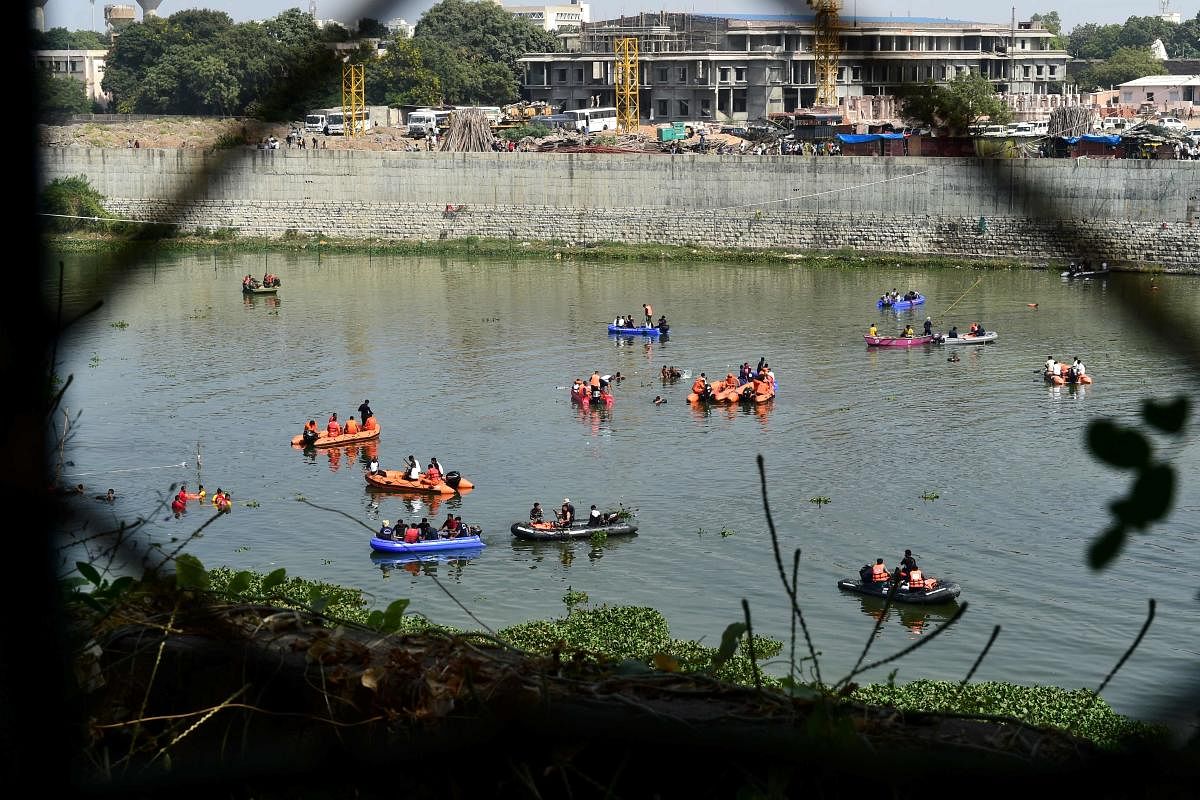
966, 338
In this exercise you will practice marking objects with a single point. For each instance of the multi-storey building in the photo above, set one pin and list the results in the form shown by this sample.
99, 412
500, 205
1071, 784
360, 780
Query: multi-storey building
553, 17
85, 66
747, 66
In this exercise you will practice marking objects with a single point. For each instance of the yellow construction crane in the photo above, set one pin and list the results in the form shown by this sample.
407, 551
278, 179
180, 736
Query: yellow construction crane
354, 99
826, 49
625, 81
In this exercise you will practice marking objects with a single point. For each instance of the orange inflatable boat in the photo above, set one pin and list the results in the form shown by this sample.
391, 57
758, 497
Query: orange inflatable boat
394, 479
1059, 380
325, 440
728, 391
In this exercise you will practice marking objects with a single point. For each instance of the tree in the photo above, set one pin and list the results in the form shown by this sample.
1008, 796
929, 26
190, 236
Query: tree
1050, 21
957, 105
474, 46
62, 39
61, 94
1126, 64
401, 77
1093, 41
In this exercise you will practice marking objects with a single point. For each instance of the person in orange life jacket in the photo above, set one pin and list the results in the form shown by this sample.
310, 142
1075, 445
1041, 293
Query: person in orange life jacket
223, 502
179, 503
351, 426
916, 579
434, 473
450, 526
879, 572
334, 428
699, 383
369, 423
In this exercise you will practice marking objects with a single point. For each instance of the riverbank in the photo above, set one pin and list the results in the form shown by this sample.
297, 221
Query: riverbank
1140, 215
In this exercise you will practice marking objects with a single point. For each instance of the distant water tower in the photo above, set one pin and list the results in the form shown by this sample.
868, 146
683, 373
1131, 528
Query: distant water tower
149, 8
117, 17
39, 16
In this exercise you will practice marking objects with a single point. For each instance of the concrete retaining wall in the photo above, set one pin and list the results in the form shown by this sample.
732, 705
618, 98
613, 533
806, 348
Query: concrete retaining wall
1036, 208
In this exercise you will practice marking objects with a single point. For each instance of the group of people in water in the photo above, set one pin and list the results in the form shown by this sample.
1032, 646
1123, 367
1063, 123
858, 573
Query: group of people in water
423, 531
269, 281
752, 381
629, 321
221, 499
1071, 373
911, 578
564, 516
335, 428
893, 297
596, 389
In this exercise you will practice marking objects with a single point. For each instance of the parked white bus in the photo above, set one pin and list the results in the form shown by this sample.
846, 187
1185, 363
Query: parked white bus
335, 122
592, 120
315, 121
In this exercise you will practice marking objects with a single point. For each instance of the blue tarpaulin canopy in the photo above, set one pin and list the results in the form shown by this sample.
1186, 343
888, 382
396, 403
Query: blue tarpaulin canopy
859, 138
1093, 137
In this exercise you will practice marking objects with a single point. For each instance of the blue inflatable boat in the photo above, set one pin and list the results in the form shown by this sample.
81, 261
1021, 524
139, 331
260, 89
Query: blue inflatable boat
900, 305
427, 546
641, 330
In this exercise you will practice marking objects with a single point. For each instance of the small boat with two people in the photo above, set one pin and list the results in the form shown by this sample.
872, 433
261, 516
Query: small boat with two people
268, 285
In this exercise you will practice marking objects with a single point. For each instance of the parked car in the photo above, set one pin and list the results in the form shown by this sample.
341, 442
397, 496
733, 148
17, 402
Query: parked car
1171, 123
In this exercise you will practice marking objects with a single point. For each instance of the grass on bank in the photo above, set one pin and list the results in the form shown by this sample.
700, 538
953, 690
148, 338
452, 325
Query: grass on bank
227, 240
640, 636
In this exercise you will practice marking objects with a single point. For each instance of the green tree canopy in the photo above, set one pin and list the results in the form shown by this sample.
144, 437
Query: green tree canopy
1127, 64
474, 46
62, 39
401, 77
957, 105
1092, 41
1050, 21
61, 94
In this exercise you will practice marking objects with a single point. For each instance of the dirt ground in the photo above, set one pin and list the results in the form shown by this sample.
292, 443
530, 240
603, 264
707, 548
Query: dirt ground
204, 133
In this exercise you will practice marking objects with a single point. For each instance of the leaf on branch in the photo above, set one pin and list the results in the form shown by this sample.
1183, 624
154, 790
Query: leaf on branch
1120, 447
190, 573
1105, 549
1153, 493
729, 643
1167, 417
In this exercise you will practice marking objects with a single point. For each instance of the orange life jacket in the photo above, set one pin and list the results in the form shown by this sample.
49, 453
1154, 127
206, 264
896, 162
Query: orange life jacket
594, 380
370, 424
351, 427
411, 535
433, 474
879, 573
916, 579
334, 429
698, 386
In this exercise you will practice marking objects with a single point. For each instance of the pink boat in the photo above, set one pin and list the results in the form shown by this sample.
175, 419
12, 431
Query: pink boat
897, 341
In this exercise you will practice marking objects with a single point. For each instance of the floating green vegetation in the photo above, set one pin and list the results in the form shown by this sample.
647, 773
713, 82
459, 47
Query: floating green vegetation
122, 324
819, 501
726, 533
1080, 711
95, 361
598, 538
929, 497
574, 598
251, 504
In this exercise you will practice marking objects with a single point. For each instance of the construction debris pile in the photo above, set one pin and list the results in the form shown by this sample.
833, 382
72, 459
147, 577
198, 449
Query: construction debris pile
1070, 121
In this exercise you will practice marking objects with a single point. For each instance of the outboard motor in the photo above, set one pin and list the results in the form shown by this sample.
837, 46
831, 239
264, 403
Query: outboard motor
865, 574
309, 437
452, 478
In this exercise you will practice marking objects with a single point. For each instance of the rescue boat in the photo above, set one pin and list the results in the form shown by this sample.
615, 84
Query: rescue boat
325, 440
393, 479
471, 540
941, 593
896, 341
1059, 380
900, 305
577, 530
583, 398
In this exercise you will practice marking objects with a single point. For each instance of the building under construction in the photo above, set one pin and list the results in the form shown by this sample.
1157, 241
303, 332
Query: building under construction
732, 69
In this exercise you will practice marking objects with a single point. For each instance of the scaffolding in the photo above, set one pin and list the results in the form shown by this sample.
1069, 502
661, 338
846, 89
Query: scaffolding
827, 47
354, 99
625, 81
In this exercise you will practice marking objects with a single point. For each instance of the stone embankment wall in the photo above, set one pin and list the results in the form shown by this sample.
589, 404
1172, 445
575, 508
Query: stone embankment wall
1117, 210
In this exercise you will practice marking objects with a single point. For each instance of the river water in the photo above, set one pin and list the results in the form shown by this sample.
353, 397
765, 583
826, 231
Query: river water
469, 360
